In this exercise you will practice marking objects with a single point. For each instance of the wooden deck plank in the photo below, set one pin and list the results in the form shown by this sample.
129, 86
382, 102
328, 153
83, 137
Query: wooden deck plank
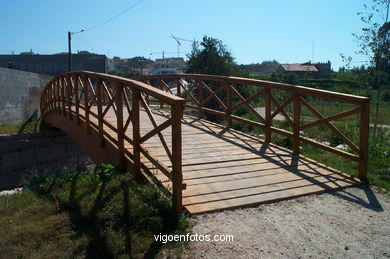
230, 169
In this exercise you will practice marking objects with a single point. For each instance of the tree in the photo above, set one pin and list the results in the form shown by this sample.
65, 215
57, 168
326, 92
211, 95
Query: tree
374, 43
212, 57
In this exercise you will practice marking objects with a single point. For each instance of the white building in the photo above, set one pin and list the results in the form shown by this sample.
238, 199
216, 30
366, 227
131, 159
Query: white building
167, 66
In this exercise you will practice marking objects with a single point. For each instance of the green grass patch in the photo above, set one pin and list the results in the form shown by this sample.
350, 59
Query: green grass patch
30, 125
70, 214
379, 153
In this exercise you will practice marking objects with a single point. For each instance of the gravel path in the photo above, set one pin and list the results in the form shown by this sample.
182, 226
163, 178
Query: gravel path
352, 223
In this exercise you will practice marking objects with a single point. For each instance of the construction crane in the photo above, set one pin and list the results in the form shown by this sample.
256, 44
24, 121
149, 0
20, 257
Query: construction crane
161, 53
177, 39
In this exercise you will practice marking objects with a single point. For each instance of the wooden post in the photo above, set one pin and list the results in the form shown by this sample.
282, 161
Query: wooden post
267, 111
69, 94
136, 131
296, 122
86, 104
178, 88
76, 96
364, 136
57, 96
161, 86
119, 125
100, 110
177, 175
63, 89
200, 93
229, 106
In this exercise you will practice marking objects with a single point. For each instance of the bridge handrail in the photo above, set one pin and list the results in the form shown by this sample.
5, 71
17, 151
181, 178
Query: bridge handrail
297, 100
73, 94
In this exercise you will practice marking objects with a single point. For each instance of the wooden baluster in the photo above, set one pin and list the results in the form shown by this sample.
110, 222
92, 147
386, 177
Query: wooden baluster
120, 129
48, 100
55, 96
86, 103
68, 94
267, 111
177, 175
135, 113
161, 86
200, 92
364, 136
296, 122
178, 88
59, 89
229, 106
99, 104
63, 95
76, 96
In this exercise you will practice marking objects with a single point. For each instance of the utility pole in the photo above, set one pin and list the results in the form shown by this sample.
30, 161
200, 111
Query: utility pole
69, 51
70, 48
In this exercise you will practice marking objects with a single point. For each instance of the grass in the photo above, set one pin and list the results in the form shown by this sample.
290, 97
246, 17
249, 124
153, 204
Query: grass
104, 214
30, 125
379, 153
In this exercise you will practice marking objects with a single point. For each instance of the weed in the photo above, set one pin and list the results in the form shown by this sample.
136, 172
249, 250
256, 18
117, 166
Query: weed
105, 213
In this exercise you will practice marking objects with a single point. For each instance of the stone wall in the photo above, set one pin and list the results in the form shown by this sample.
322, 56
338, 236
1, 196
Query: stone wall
26, 153
20, 94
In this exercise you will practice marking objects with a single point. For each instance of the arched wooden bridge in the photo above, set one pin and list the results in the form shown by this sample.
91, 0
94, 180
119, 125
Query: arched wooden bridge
155, 127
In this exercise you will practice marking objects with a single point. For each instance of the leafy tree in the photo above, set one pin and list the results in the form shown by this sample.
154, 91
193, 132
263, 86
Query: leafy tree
212, 57
374, 42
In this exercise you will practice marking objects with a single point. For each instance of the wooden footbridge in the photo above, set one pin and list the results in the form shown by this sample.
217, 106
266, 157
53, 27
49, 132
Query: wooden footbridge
157, 127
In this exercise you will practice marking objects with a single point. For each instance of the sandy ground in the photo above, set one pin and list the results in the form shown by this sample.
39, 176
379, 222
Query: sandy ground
352, 223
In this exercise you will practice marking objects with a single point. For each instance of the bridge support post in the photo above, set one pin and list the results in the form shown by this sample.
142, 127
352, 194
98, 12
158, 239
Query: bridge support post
178, 88
267, 110
296, 122
69, 94
77, 100
120, 133
177, 175
136, 131
364, 136
63, 85
100, 110
86, 104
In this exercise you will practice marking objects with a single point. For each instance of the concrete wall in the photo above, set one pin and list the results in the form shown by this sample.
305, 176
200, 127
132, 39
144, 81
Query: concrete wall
19, 94
26, 153
54, 64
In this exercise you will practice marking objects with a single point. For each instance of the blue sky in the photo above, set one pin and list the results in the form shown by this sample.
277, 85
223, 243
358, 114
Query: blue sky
254, 30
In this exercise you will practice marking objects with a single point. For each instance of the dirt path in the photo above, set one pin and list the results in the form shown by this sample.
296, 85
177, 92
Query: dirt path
352, 223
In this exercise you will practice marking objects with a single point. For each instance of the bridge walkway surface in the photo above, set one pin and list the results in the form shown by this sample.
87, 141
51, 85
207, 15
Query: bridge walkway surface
224, 169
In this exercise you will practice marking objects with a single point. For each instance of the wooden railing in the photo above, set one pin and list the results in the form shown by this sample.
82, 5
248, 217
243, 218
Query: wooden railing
87, 97
199, 90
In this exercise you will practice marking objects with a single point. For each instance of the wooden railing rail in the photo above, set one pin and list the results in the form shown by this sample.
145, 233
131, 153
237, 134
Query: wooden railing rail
85, 98
225, 92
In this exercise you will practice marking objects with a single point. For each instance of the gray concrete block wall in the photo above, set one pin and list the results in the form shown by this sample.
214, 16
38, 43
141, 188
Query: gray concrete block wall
24, 154
20, 94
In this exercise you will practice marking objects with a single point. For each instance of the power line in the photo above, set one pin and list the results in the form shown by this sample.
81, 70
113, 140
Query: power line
86, 43
114, 17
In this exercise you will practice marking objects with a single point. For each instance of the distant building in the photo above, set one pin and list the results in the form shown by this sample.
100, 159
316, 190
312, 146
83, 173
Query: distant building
324, 69
317, 70
167, 66
129, 67
54, 64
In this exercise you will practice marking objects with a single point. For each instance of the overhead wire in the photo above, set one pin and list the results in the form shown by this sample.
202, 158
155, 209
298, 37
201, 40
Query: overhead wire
114, 17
